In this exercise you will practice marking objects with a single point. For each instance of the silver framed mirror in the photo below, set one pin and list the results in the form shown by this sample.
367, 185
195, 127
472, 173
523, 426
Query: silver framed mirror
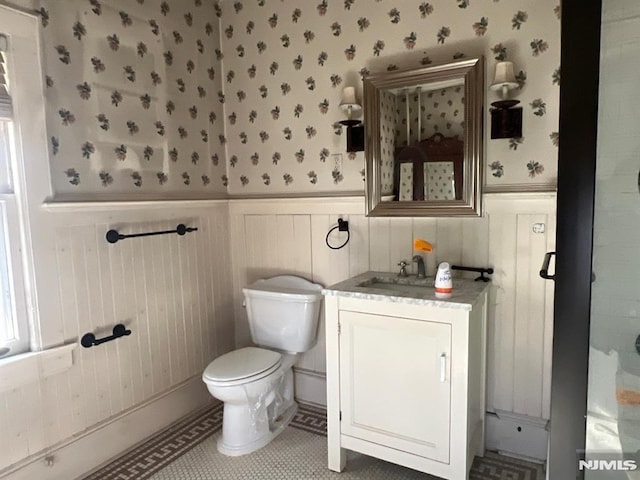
424, 140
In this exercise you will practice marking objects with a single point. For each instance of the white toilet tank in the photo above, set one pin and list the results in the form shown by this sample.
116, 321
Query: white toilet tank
283, 312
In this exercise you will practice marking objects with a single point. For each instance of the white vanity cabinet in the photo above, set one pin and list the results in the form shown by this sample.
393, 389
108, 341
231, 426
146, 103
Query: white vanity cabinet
406, 376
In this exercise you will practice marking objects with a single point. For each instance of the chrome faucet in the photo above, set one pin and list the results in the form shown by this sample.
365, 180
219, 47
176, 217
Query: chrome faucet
420, 261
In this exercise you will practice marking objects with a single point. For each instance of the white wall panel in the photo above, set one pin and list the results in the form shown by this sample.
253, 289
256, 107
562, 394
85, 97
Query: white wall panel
521, 303
501, 320
173, 292
358, 255
426, 229
181, 297
529, 332
380, 245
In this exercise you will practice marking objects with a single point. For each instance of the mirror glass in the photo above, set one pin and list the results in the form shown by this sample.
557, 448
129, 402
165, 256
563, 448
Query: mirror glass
424, 140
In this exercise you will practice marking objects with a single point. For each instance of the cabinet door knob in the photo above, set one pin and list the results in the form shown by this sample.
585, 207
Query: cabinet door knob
443, 367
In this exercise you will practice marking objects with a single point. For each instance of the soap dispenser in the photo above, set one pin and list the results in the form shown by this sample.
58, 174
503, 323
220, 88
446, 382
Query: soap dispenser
443, 283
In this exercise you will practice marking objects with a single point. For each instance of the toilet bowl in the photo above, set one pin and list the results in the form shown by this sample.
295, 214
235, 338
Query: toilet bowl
256, 383
256, 386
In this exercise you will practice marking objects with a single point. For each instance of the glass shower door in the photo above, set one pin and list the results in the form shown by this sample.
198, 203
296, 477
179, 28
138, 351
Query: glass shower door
613, 404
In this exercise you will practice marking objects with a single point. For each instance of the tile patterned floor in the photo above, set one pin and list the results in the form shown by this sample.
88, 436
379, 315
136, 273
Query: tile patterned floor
187, 451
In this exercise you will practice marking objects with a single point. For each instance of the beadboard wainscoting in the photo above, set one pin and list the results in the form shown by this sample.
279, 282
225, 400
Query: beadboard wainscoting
172, 292
181, 297
287, 236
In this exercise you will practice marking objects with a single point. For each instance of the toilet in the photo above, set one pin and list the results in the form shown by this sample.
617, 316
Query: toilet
256, 383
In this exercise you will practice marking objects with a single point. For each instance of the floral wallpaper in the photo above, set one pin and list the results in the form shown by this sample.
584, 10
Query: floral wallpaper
440, 111
405, 188
430, 112
389, 118
157, 98
286, 63
439, 183
133, 97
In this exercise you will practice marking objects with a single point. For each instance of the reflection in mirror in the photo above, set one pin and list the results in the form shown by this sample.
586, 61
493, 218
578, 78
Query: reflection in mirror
422, 128
424, 140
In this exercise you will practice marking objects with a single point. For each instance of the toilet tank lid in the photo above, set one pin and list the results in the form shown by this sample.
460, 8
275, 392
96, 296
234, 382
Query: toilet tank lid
241, 363
288, 284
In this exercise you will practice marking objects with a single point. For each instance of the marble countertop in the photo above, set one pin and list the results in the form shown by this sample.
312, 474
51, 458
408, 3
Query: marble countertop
386, 286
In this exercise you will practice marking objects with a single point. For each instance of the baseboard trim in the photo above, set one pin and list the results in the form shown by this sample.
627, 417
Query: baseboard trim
310, 387
78, 456
517, 435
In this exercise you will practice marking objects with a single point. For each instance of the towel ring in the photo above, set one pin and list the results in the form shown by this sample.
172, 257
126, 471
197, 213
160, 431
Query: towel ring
343, 226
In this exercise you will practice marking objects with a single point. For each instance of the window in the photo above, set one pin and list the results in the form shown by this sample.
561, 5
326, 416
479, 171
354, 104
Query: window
14, 334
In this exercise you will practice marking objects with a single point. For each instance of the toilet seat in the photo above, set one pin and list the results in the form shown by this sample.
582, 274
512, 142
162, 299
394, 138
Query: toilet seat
241, 366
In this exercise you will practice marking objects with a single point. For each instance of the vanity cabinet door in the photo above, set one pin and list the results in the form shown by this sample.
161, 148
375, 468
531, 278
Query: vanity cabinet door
395, 387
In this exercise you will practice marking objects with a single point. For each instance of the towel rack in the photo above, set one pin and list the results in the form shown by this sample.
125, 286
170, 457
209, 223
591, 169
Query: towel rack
113, 235
481, 271
89, 339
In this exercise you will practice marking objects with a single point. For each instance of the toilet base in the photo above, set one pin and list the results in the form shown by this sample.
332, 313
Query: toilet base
273, 431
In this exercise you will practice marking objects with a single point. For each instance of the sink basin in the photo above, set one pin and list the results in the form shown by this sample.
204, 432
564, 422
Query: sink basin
393, 282
395, 287
381, 285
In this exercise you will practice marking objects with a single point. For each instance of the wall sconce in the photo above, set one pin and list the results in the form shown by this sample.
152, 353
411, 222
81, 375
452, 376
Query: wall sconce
355, 129
506, 121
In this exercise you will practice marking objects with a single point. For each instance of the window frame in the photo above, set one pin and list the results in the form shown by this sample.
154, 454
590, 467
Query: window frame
13, 301
28, 225
11, 233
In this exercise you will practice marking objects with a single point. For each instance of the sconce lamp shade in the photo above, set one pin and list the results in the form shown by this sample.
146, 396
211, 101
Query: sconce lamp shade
355, 130
349, 98
506, 122
504, 79
350, 104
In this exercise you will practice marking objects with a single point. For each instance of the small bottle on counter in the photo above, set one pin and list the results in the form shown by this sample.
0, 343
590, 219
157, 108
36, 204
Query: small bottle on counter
443, 282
